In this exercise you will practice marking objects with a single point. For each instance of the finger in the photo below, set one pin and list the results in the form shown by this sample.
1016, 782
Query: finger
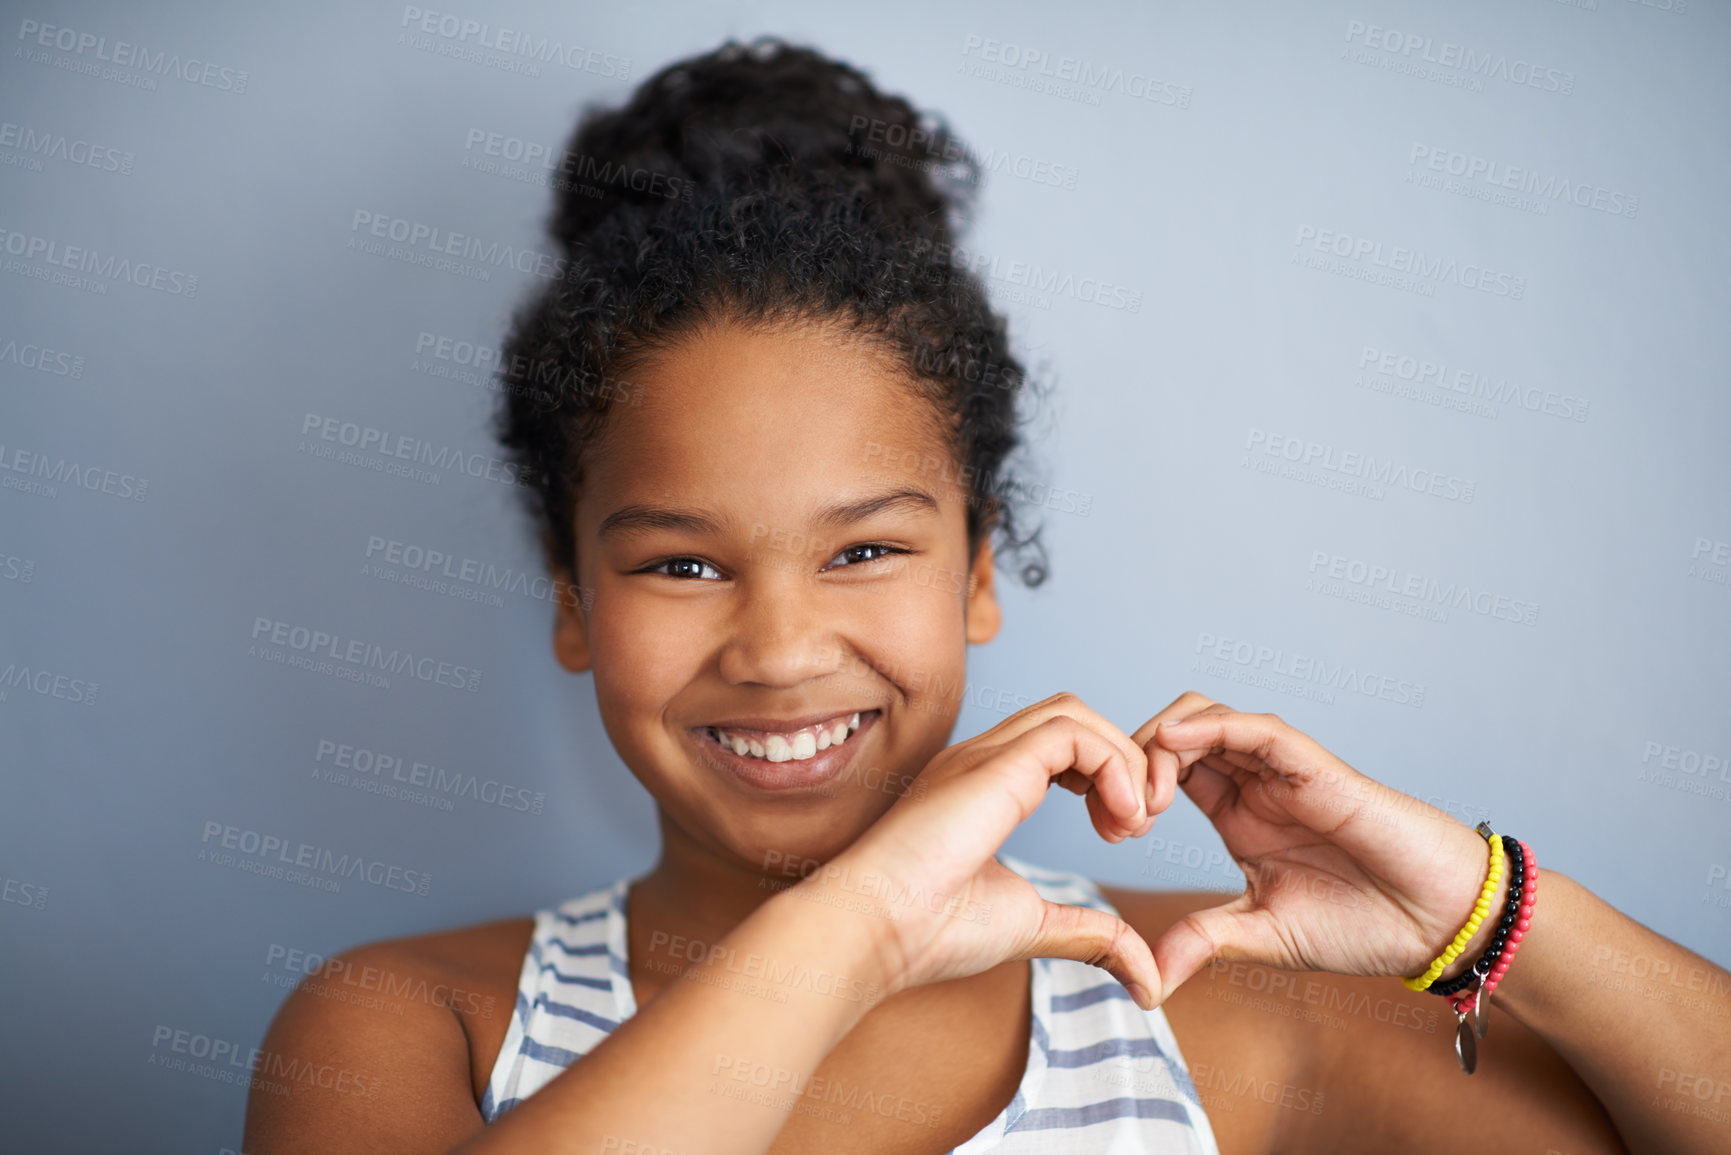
973, 810
1092, 755
1108, 827
1312, 785
1089, 935
1183, 706
1212, 790
1163, 765
1069, 705
1233, 931
1073, 782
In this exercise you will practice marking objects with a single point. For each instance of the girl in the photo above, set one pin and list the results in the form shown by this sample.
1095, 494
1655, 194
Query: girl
769, 420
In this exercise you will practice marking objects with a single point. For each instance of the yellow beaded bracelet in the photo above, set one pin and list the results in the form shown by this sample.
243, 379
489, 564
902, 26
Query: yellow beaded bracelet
1493, 876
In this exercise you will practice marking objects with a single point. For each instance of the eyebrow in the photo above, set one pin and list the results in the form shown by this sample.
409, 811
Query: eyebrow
648, 519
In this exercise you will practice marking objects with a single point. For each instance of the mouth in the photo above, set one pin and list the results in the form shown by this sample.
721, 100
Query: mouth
785, 754
785, 744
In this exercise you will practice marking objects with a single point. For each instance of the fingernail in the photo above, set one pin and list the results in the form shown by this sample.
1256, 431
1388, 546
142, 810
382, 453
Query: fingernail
1141, 995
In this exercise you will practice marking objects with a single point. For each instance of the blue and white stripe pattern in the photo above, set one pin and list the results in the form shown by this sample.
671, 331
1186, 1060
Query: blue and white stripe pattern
1103, 1075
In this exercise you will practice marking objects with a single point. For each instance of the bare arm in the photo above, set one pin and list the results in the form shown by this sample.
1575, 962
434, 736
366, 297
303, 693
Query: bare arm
1661, 1066
660, 1079
1349, 876
404, 1082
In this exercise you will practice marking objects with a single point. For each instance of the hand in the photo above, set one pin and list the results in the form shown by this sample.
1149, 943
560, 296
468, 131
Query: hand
1342, 873
952, 909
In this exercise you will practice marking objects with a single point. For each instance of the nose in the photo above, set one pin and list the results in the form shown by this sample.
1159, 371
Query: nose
781, 634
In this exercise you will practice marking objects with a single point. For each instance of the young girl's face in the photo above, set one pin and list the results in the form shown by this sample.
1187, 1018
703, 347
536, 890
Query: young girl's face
775, 537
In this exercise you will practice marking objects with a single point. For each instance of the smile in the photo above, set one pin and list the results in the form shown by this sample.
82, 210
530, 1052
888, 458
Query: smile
786, 745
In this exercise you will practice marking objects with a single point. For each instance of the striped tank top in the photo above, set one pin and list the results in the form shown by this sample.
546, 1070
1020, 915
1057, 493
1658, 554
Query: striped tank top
1103, 1075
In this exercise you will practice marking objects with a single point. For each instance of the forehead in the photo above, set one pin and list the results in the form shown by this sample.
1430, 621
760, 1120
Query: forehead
774, 420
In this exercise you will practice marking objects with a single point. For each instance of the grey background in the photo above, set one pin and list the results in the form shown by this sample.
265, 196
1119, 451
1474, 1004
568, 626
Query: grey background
1281, 119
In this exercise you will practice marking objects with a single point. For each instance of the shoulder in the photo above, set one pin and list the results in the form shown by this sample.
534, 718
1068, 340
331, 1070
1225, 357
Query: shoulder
391, 1040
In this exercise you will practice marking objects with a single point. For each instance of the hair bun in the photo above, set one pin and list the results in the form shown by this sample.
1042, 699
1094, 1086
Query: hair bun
746, 117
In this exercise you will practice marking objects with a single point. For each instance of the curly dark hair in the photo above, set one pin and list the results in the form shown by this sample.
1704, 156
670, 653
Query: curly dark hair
760, 183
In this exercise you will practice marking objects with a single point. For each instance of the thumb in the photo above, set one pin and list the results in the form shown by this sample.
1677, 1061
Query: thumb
1234, 930
1088, 935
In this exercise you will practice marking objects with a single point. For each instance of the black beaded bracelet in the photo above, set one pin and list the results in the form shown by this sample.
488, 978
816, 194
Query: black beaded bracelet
1511, 912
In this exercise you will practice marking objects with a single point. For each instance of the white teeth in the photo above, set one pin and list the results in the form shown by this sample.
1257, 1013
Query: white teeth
801, 745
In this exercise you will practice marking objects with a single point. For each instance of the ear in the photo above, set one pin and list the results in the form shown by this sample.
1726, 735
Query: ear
981, 612
571, 605
570, 624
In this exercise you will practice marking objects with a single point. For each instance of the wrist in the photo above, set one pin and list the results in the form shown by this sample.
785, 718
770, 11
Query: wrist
1487, 930
851, 932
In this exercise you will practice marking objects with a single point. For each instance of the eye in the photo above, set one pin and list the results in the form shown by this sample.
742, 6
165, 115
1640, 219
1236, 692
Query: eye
869, 551
684, 569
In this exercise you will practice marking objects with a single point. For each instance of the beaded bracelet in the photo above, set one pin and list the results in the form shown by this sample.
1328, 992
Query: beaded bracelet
1492, 876
1516, 920
1511, 903
1494, 963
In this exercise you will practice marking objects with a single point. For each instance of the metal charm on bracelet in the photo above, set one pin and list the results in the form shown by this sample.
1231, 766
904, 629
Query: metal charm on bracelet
1466, 1050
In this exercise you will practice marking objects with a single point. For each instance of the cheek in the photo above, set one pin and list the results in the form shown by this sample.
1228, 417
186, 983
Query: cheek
641, 659
918, 641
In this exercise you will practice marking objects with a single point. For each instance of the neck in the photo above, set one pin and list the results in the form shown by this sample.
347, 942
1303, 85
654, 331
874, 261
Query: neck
696, 891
